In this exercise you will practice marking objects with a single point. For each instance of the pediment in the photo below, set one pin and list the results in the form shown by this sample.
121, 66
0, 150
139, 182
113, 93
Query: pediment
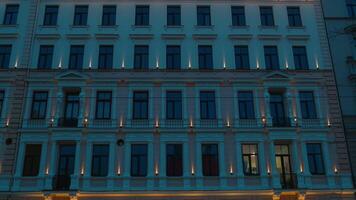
71, 76
280, 76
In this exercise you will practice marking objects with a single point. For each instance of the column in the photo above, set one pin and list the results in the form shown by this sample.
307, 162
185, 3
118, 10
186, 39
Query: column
87, 166
198, 166
42, 170
19, 166
186, 165
51, 165
290, 115
150, 168
112, 164
306, 172
81, 109
126, 168
329, 168
162, 165
267, 108
263, 163
222, 162
275, 175
296, 164
75, 177
59, 108
239, 167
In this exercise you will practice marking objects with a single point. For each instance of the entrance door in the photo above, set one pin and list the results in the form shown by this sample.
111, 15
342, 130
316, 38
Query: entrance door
284, 167
65, 166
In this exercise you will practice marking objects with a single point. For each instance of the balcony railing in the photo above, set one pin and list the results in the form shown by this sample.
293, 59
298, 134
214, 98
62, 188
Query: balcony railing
67, 122
312, 123
61, 182
289, 181
36, 123
281, 122
247, 123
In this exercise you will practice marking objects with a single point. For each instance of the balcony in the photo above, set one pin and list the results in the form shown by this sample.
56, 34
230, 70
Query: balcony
281, 122
312, 123
61, 182
68, 122
289, 181
247, 123
36, 123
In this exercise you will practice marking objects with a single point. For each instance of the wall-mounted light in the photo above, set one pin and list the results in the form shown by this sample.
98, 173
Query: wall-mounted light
156, 171
336, 171
157, 64
268, 171
85, 121
90, 66
82, 171
121, 123
301, 169
7, 122
329, 123
193, 171
317, 63
287, 66
264, 121
51, 121
231, 170
189, 64
257, 64
118, 170
123, 64
191, 123
47, 171
157, 124
16, 63
228, 124
60, 64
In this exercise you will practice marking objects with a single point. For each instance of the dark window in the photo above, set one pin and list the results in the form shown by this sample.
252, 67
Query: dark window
5, 54
45, 57
106, 56
80, 15
141, 57
315, 159
210, 160
277, 109
271, 57
109, 15
242, 60
267, 18
100, 160
71, 106
294, 17
203, 16
246, 107
11, 12
205, 56
238, 16
174, 159
174, 105
39, 105
173, 16
351, 7
76, 57
140, 105
51, 15
300, 57
66, 159
32, 160
250, 159
2, 98
307, 104
142, 15
173, 57
103, 105
207, 105
139, 160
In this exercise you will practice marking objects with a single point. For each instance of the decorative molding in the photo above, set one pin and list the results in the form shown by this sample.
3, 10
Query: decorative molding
173, 36
298, 37
9, 35
78, 36
47, 36
240, 36
101, 36
269, 37
141, 36
205, 36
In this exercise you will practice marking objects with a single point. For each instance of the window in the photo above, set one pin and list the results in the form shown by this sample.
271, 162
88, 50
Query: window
142, 15
11, 12
250, 159
246, 107
277, 110
109, 16
103, 105
203, 16
242, 60
39, 105
271, 57
207, 105
32, 160
210, 159
51, 14
294, 17
76, 57
2, 98
173, 57
173, 16
72, 105
300, 57
5, 53
80, 15
139, 160
45, 57
267, 18
174, 105
351, 7
141, 57
100, 160
307, 104
106, 56
238, 16
205, 56
315, 159
140, 105
174, 159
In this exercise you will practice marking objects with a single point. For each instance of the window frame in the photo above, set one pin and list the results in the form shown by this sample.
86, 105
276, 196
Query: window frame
309, 103
142, 15
106, 58
169, 101
267, 16
32, 161
173, 57
313, 155
242, 59
205, 57
249, 155
271, 57
10, 17
45, 57
81, 16
101, 157
78, 57
174, 18
241, 102
177, 163
50, 18
207, 169
109, 18
141, 59
300, 56
40, 103
204, 15
141, 102
294, 18
238, 18
5, 56
139, 156
104, 103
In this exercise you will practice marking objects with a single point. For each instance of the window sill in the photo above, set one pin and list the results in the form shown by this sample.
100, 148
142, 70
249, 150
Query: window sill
296, 27
48, 26
173, 27
204, 27
141, 27
9, 25
79, 26
239, 27
268, 27
108, 26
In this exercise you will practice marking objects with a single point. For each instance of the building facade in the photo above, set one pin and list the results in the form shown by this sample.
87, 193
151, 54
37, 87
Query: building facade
169, 100
340, 21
